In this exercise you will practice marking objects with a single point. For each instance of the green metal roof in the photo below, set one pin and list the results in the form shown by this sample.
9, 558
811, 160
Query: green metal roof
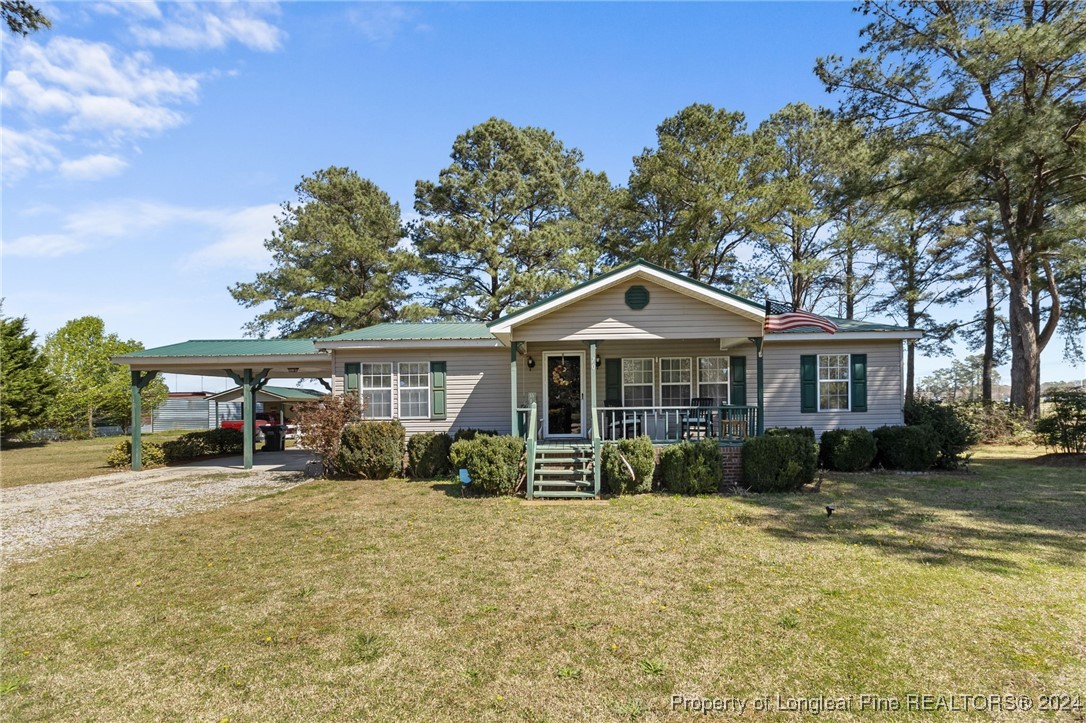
619, 269
294, 394
230, 348
847, 326
416, 331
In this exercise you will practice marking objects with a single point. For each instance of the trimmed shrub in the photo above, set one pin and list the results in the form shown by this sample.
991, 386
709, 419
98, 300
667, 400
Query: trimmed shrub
371, 450
953, 433
121, 456
802, 432
494, 462
615, 477
472, 433
847, 450
691, 468
779, 462
1065, 428
321, 425
213, 442
428, 455
911, 447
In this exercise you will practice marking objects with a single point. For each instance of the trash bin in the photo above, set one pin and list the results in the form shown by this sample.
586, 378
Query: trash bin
274, 435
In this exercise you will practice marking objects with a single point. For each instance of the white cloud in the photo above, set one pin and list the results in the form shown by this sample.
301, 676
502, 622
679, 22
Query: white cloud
230, 236
380, 23
92, 167
197, 26
23, 152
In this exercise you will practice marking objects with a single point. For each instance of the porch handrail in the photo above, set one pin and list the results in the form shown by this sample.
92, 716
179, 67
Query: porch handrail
729, 423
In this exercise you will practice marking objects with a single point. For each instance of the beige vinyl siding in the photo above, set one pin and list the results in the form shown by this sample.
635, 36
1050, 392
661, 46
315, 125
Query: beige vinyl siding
669, 315
477, 384
782, 385
531, 382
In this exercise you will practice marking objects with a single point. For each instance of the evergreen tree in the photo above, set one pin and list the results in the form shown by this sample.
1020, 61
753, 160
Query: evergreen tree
26, 386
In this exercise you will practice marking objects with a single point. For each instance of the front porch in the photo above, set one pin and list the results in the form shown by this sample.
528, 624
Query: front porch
569, 401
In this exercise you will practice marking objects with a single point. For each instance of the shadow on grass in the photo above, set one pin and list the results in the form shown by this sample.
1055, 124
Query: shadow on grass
999, 519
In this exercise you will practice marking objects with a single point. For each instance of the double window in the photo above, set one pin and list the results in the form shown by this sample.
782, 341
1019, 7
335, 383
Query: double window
833, 382
419, 386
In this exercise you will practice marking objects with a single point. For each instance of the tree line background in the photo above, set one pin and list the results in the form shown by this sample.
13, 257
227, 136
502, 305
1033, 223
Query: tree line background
951, 172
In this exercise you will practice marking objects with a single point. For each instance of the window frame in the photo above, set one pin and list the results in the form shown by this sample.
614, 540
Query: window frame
400, 389
651, 385
363, 388
727, 383
819, 381
689, 384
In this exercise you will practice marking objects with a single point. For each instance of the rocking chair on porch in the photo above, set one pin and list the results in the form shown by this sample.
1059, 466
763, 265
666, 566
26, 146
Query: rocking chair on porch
698, 422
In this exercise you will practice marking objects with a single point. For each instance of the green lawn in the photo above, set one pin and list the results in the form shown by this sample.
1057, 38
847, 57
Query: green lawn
58, 461
398, 600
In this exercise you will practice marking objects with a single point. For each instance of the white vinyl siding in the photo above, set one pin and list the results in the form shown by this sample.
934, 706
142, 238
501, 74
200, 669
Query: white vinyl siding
833, 382
782, 384
476, 384
675, 381
637, 383
669, 315
376, 385
414, 379
713, 378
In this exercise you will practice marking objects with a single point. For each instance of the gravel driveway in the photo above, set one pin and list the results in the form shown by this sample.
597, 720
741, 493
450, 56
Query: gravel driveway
37, 518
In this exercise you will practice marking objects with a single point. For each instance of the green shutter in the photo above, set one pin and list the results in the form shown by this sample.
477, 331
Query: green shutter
437, 390
351, 372
808, 383
738, 376
859, 382
612, 380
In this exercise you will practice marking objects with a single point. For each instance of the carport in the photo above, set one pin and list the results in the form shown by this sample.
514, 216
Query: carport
250, 363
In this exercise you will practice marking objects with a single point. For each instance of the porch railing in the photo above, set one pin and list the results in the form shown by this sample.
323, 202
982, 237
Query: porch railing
728, 424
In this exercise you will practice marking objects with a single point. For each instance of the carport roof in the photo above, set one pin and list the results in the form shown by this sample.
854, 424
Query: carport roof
229, 348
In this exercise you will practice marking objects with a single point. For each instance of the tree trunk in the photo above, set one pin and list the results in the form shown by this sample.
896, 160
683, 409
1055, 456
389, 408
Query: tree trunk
910, 370
989, 331
1025, 353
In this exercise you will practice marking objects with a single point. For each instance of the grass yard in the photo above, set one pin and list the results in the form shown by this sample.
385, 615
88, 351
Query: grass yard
398, 600
58, 461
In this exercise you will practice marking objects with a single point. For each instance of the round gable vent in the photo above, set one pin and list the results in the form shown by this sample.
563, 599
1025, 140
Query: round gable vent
637, 297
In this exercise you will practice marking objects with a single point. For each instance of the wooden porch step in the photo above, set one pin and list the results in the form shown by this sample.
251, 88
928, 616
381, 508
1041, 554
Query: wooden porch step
570, 495
563, 484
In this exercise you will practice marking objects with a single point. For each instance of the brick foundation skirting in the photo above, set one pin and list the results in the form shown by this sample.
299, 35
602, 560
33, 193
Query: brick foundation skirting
732, 458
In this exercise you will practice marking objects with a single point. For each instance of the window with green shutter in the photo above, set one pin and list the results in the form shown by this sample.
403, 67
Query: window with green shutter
351, 371
859, 382
438, 394
808, 383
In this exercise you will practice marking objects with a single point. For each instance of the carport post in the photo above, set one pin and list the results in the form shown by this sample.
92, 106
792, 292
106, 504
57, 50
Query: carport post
139, 381
248, 417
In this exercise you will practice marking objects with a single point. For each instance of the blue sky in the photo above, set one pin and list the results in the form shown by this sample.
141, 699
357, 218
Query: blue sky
146, 147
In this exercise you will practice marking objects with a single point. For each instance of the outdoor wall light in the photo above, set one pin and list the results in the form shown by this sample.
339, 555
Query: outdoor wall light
599, 362
531, 363
292, 370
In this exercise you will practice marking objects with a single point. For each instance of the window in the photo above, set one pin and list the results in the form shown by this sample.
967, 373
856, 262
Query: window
713, 378
833, 382
414, 389
675, 380
377, 390
637, 383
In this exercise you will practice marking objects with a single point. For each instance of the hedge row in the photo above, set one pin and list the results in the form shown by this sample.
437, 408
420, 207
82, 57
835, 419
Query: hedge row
208, 443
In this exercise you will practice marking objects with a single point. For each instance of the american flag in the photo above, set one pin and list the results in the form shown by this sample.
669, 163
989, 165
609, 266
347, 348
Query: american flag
781, 316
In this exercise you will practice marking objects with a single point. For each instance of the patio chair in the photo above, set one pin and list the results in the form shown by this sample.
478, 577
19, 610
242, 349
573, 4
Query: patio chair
700, 418
618, 424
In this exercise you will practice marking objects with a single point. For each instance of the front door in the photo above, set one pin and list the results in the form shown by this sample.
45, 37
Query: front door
563, 394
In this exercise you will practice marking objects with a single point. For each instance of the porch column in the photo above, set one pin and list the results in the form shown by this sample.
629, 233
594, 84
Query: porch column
513, 386
594, 372
249, 384
139, 381
761, 387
